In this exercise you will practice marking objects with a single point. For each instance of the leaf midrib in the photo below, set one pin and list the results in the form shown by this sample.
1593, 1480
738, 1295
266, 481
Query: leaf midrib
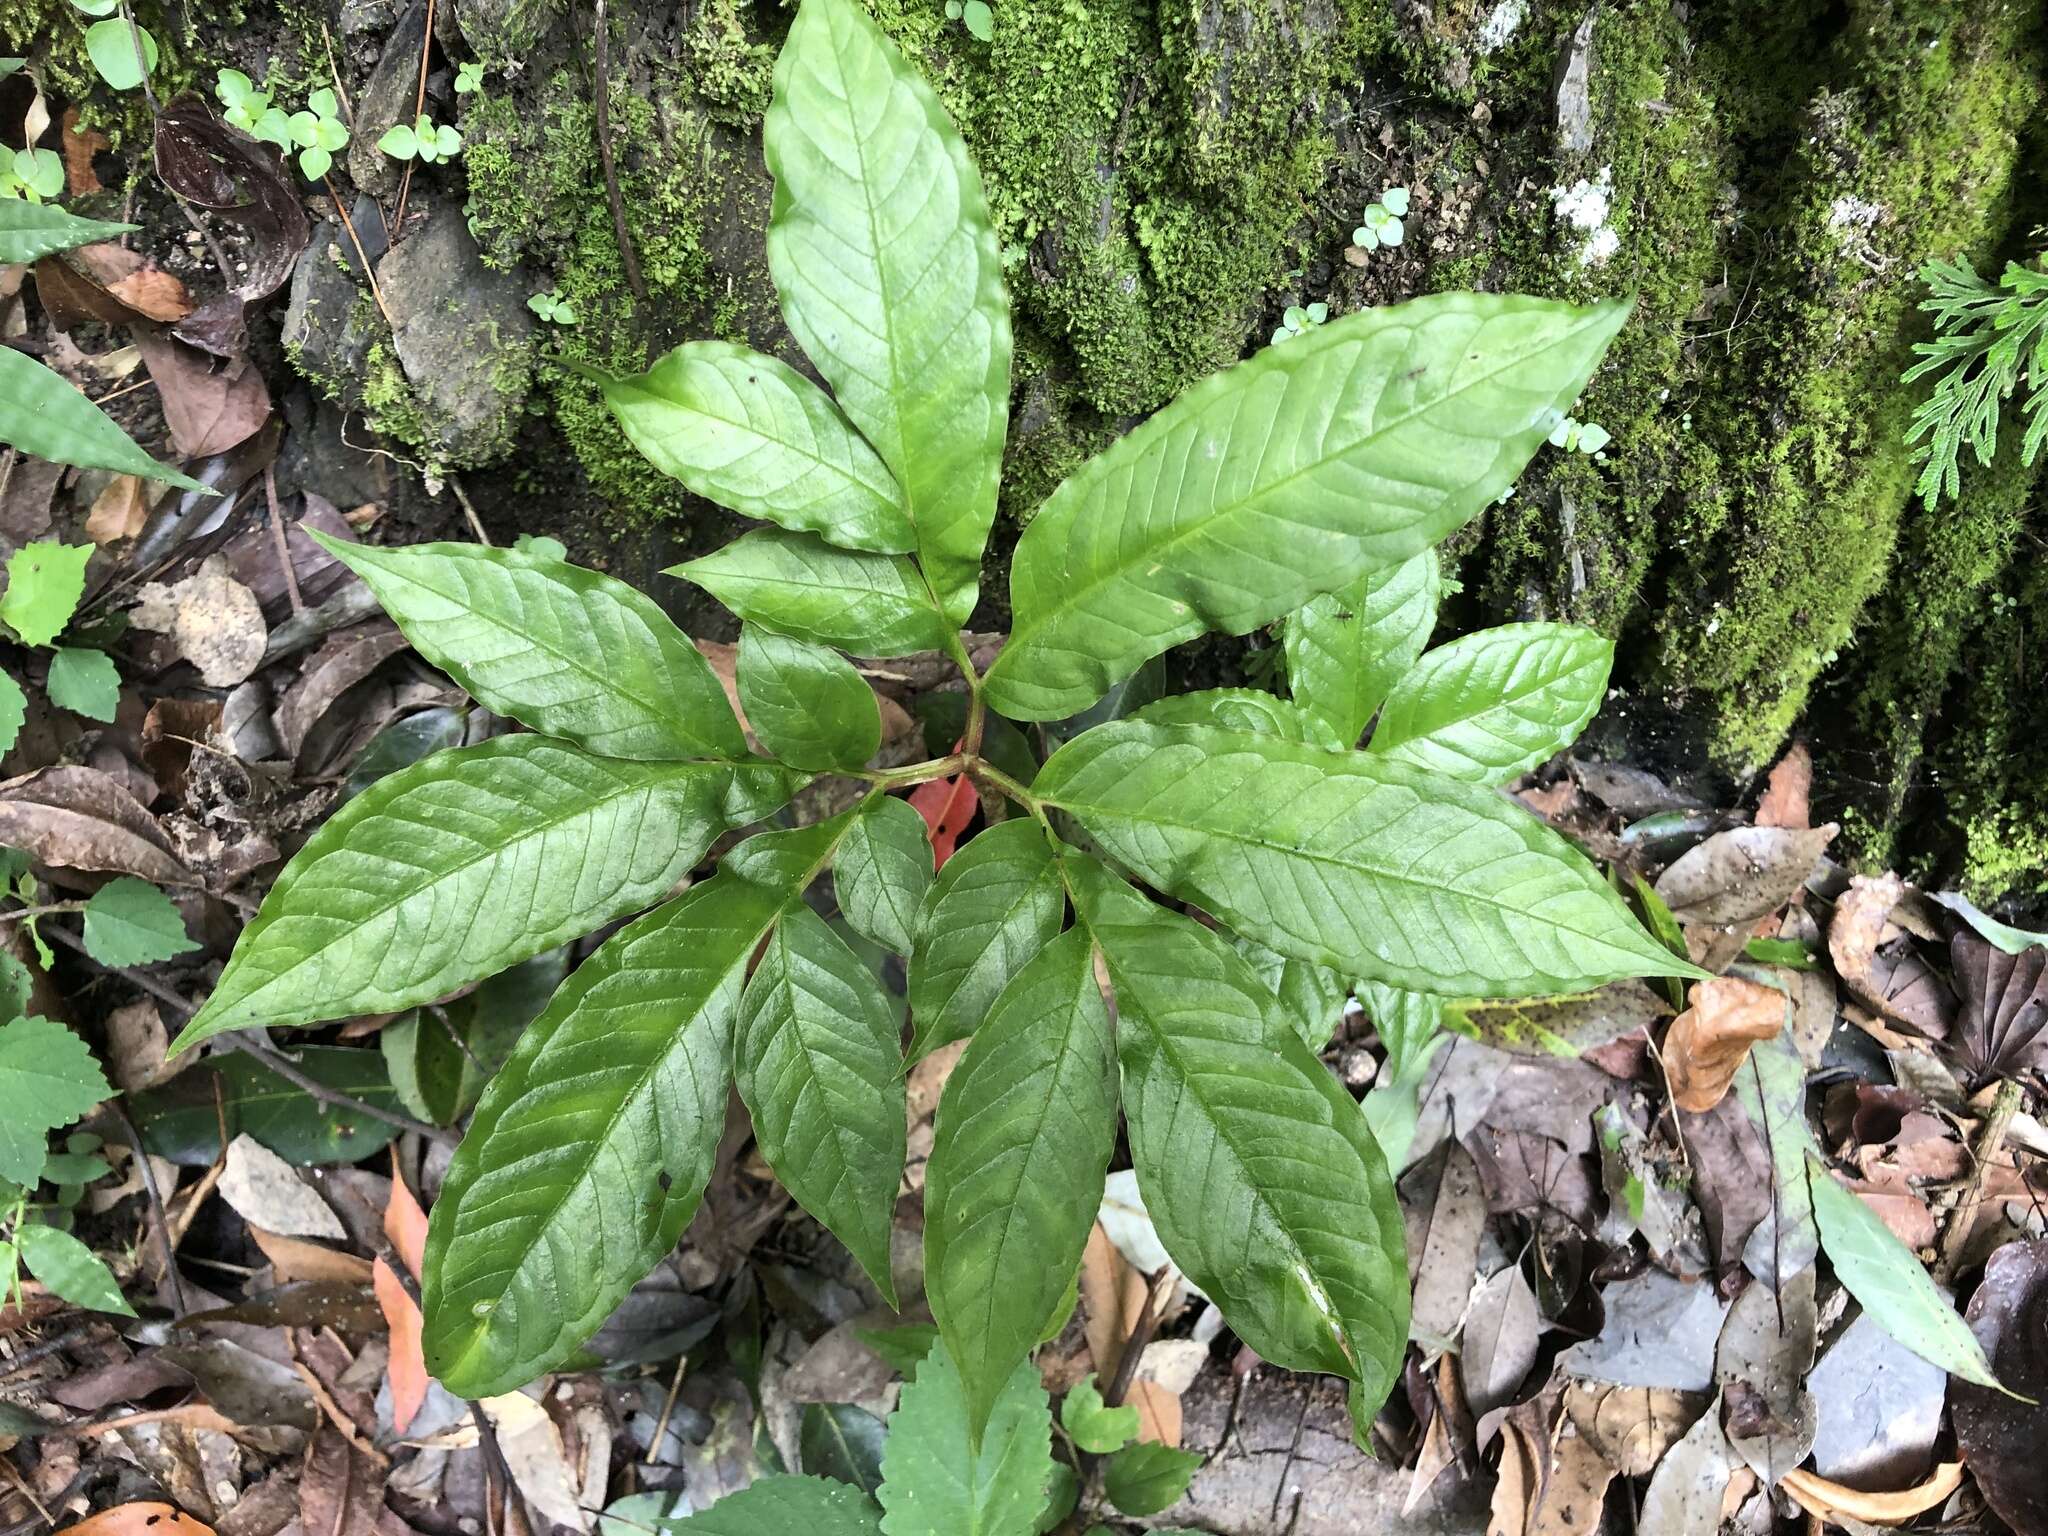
1501, 703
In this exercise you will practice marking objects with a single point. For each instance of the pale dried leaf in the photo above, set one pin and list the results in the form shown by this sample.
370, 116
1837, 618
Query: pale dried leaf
268, 1192
1708, 1042
214, 622
1742, 874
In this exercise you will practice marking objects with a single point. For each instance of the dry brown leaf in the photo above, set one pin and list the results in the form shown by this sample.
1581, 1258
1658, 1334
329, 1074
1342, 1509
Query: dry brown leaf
1631, 1427
1831, 1501
208, 411
80, 818
1786, 797
78, 146
139, 1519
1878, 963
1113, 1298
297, 1258
136, 1043
1742, 874
213, 620
267, 1191
119, 511
341, 1492
141, 285
406, 1225
1708, 1043
344, 659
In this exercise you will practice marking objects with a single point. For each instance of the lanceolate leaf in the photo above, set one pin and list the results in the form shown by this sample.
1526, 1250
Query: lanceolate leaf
1312, 996
1358, 445
69, 1269
1023, 1138
468, 862
1491, 704
1257, 1168
45, 417
1372, 868
820, 1070
792, 583
753, 434
997, 903
591, 1146
890, 275
1347, 648
1244, 709
29, 231
882, 872
806, 703
780, 1506
937, 1482
569, 652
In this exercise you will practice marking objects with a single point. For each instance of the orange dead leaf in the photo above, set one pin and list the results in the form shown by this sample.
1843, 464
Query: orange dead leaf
296, 1258
1833, 1501
406, 1225
1710, 1040
79, 145
141, 285
119, 511
946, 805
139, 1519
1785, 801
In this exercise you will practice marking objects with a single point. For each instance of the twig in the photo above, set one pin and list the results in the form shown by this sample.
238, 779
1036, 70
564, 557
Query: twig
1141, 1335
157, 1218
7, 470
476, 524
668, 1408
277, 537
340, 90
362, 258
15, 1364
334, 1098
627, 258
1990, 1141
419, 105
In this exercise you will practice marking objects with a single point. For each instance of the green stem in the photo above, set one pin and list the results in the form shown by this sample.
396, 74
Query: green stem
915, 773
998, 780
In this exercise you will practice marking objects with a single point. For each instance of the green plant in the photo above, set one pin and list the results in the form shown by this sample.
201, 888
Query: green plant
1297, 319
250, 109
317, 130
1310, 469
1986, 336
1383, 221
122, 50
45, 582
552, 307
469, 77
421, 139
977, 16
319, 133
1575, 436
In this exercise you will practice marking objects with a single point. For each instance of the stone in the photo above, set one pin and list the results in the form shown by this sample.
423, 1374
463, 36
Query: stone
326, 332
387, 99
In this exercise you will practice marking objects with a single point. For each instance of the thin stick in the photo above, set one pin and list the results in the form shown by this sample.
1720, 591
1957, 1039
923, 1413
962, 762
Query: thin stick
1990, 1141
125, 389
277, 537
668, 1408
476, 524
1141, 1335
362, 258
419, 105
157, 1218
340, 90
627, 258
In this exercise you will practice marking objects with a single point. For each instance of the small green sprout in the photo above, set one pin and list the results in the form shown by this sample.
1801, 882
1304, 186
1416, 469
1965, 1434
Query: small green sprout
422, 139
1575, 436
1383, 224
1298, 319
469, 77
34, 175
319, 133
975, 16
552, 307
250, 109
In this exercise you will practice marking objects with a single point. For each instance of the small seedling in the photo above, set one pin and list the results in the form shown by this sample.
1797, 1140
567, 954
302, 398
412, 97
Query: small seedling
33, 175
422, 139
1383, 224
469, 78
975, 16
552, 307
1298, 319
250, 109
1575, 436
319, 133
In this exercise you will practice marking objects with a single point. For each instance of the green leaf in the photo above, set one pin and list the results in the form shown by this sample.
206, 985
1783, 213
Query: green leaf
45, 581
29, 231
111, 46
841, 1441
1358, 445
1145, 1478
1370, 867
1093, 1426
997, 903
1313, 996
591, 1147
1348, 648
754, 435
183, 1120
567, 651
784, 1506
1244, 709
1023, 1139
904, 1346
45, 417
400, 142
85, 681
882, 872
441, 1057
820, 1070
69, 1268
806, 703
1410, 1026
796, 585
1886, 1278
891, 276
13, 711
131, 922
1259, 1172
466, 863
1492, 704
937, 1482
47, 1078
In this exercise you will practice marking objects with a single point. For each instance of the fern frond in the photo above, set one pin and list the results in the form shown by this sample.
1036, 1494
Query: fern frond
1986, 337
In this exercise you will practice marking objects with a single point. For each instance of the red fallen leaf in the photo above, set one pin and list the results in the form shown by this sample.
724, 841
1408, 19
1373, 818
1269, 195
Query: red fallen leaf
406, 1225
143, 1518
1786, 798
946, 805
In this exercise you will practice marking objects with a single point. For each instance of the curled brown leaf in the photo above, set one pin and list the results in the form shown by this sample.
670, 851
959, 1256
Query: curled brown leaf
1708, 1042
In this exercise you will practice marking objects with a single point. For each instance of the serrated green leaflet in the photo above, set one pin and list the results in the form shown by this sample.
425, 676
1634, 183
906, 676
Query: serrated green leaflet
882, 872
1145, 1478
131, 922
785, 1506
997, 903
1491, 704
806, 703
570, 652
44, 416
85, 681
1558, 1026
1093, 1425
1358, 445
69, 1268
890, 275
1243, 709
797, 585
591, 1146
13, 711
467, 862
48, 1078
1347, 648
751, 433
29, 231
45, 581
1370, 867
937, 1482
821, 1073
1257, 1168
1022, 1141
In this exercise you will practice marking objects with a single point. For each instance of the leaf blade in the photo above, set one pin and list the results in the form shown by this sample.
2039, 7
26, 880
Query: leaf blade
799, 586
131, 922
1346, 649
882, 872
30, 231
42, 415
808, 705
70, 1269
48, 1078
937, 1482
996, 904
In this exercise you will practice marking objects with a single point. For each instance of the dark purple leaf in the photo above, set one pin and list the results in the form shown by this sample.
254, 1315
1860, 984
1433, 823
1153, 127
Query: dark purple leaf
206, 162
2002, 1437
2003, 1023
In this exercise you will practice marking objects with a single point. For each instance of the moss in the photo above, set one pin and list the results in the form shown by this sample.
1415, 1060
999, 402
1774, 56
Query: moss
51, 35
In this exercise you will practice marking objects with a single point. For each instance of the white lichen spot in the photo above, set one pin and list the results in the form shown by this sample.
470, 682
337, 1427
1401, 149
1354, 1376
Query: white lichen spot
1848, 212
1584, 206
1505, 20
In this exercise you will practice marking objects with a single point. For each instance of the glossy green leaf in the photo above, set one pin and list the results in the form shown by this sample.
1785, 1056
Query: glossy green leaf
1495, 703
785, 1506
1091, 1424
1244, 709
131, 922
1259, 1172
48, 1078
44, 416
752, 434
183, 1119
1891, 1284
1370, 867
45, 581
997, 903
1348, 648
788, 858
69, 1268
85, 681
821, 1072
468, 862
29, 231
570, 652
796, 585
1145, 1478
441, 1056
591, 1146
882, 872
1358, 445
891, 276
124, 54
937, 1482
841, 1441
808, 705
1312, 995
1022, 1141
